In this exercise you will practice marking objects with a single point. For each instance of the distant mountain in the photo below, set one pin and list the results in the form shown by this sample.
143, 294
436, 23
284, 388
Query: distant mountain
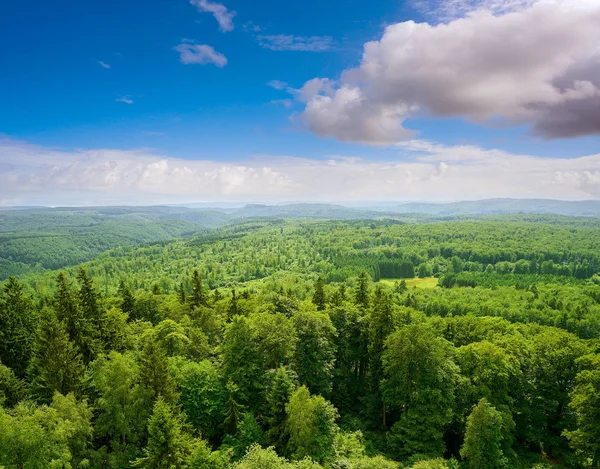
306, 211
587, 208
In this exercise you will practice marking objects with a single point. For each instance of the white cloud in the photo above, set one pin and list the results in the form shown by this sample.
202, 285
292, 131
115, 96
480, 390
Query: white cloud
200, 54
223, 16
103, 64
124, 99
277, 84
287, 103
282, 42
536, 65
31, 174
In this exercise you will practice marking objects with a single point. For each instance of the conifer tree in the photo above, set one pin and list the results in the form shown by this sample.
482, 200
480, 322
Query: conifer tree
56, 364
319, 295
127, 298
361, 291
17, 327
169, 446
198, 296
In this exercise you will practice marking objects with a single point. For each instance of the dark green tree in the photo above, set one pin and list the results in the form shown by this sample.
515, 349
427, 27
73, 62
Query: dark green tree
56, 364
361, 291
277, 395
198, 296
319, 294
127, 298
17, 327
169, 445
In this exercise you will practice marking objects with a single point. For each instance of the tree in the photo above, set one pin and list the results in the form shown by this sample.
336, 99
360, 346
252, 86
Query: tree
202, 396
319, 294
381, 326
127, 298
198, 296
276, 337
17, 327
181, 293
56, 365
277, 395
248, 433
123, 405
242, 362
585, 402
420, 383
315, 351
361, 291
310, 425
79, 328
12, 389
169, 446
483, 438
154, 369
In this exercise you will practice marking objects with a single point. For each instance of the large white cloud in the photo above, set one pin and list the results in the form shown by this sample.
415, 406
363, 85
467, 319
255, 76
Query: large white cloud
31, 174
535, 63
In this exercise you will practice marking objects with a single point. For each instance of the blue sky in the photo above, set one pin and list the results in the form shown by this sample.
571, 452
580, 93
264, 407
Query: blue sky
109, 78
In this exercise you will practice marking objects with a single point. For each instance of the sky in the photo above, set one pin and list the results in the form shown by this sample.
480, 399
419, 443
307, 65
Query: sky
111, 102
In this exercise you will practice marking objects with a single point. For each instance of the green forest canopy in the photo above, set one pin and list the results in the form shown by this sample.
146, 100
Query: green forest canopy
272, 343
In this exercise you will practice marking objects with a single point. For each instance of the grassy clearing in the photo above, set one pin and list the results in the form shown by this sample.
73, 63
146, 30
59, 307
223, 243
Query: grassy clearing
429, 282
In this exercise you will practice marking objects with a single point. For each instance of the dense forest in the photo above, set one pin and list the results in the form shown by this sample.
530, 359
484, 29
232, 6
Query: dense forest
304, 343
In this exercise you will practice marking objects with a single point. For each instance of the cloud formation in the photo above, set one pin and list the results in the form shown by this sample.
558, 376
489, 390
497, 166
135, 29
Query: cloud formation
200, 54
31, 174
124, 99
522, 62
103, 64
223, 16
288, 42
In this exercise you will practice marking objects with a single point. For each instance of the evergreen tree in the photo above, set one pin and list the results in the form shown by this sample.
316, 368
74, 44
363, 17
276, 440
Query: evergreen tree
233, 410
319, 294
277, 395
381, 325
17, 327
483, 438
169, 446
181, 293
56, 364
127, 298
198, 296
154, 369
78, 327
361, 291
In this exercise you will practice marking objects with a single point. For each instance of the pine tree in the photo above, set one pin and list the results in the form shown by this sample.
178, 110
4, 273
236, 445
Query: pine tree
17, 327
361, 291
154, 369
181, 293
278, 393
198, 297
169, 446
233, 410
319, 295
380, 327
78, 327
56, 364
127, 298
483, 438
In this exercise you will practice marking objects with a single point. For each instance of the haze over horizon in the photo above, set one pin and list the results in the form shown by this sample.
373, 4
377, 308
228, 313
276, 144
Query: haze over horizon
191, 101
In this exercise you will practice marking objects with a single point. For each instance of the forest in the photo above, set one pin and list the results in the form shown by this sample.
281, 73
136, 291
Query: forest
298, 342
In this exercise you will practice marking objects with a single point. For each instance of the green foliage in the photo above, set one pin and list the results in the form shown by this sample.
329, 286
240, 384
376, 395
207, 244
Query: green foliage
169, 447
310, 425
483, 438
420, 383
586, 405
